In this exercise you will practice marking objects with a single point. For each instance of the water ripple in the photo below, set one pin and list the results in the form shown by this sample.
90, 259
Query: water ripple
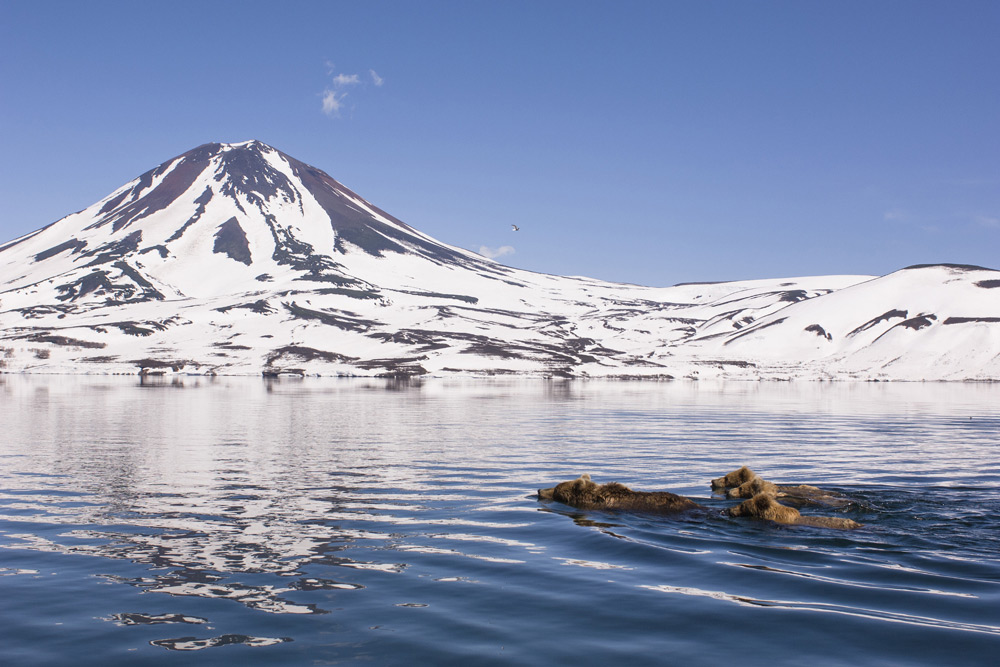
846, 582
822, 607
332, 522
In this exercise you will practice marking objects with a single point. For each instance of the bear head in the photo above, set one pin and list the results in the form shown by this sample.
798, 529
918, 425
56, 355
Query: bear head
752, 488
733, 479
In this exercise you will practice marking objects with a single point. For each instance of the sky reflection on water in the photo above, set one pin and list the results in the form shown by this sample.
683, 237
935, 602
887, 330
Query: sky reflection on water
222, 515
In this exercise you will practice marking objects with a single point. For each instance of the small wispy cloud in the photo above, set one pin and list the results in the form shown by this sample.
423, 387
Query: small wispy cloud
894, 215
335, 94
332, 102
493, 253
988, 221
346, 80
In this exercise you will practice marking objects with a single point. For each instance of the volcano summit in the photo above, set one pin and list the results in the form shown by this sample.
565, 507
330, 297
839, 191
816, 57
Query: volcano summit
239, 259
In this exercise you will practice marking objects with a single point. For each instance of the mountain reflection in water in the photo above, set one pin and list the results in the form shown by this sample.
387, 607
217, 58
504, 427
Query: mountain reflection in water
322, 519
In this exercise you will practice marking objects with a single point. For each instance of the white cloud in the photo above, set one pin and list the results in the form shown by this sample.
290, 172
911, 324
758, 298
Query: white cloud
493, 253
334, 95
895, 215
346, 80
988, 221
332, 102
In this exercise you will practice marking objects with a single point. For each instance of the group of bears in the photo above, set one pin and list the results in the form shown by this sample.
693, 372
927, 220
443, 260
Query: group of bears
761, 499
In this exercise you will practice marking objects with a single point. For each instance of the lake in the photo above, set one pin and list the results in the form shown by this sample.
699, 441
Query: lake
212, 521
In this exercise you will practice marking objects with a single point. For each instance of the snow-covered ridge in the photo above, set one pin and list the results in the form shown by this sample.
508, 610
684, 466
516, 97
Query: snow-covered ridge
239, 259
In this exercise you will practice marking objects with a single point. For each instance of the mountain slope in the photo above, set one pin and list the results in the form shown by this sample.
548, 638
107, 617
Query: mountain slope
925, 322
238, 259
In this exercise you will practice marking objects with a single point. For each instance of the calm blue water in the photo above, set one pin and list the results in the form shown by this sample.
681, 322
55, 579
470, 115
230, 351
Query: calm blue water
325, 521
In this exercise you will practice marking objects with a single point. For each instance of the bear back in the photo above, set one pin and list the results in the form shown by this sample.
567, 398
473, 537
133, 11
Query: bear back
584, 493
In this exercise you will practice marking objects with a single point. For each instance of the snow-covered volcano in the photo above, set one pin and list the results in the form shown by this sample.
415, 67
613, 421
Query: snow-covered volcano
238, 259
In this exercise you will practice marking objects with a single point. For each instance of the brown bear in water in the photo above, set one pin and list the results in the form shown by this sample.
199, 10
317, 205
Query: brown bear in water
752, 488
744, 483
764, 506
733, 479
586, 494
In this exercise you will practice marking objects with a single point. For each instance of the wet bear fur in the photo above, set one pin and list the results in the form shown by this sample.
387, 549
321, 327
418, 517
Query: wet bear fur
584, 493
733, 479
751, 488
765, 506
801, 494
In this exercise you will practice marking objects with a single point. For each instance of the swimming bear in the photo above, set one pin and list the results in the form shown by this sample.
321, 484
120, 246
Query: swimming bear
586, 494
745, 483
765, 506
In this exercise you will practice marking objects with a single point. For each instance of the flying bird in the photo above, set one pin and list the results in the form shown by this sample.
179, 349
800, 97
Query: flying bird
515, 228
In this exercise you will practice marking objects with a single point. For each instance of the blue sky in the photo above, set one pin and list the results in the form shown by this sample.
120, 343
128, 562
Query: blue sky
648, 142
